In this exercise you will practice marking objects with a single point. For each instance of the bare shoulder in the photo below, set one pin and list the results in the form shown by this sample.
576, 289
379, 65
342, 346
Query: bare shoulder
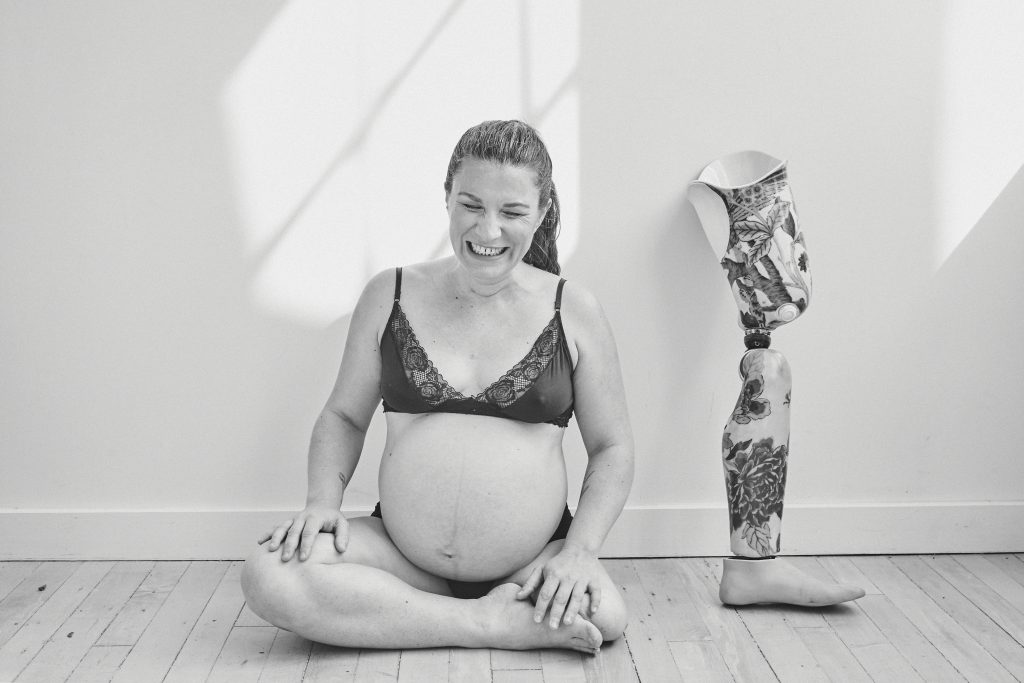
381, 285
587, 330
424, 275
378, 296
374, 306
379, 292
582, 314
599, 396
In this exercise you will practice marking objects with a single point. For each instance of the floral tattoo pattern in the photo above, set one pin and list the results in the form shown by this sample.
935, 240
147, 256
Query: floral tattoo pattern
751, 406
766, 258
755, 479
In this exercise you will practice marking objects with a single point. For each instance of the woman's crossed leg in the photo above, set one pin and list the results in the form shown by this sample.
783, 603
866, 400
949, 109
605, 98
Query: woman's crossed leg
372, 596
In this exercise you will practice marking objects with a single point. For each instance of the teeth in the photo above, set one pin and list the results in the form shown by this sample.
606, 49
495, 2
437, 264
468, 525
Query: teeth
485, 251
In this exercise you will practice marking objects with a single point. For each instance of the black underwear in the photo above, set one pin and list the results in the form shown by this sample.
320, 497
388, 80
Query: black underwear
477, 589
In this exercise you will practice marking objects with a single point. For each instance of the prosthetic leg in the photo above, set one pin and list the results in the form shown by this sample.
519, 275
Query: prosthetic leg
746, 208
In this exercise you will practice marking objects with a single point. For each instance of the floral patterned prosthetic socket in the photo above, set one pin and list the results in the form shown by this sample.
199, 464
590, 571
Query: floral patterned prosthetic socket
746, 208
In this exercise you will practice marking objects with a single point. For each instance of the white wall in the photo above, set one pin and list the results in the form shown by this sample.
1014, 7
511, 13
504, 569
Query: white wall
192, 195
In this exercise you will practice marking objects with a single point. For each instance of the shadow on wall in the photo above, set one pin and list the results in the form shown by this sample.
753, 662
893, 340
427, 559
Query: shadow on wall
829, 90
134, 324
193, 198
295, 115
340, 124
197, 197
299, 114
958, 344
877, 119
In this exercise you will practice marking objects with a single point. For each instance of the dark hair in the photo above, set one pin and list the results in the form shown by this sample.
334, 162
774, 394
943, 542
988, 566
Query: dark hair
517, 144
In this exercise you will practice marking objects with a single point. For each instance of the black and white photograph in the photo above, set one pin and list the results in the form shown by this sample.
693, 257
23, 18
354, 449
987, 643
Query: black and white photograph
511, 341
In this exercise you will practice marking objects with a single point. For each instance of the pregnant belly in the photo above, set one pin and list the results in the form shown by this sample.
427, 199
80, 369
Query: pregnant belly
469, 497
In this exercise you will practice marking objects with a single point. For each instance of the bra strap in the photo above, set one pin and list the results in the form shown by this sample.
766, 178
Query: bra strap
398, 283
558, 295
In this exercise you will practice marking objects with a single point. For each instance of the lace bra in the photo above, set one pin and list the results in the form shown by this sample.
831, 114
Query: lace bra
537, 389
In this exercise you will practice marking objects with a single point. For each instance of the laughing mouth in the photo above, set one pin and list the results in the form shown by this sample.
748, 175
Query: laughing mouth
486, 251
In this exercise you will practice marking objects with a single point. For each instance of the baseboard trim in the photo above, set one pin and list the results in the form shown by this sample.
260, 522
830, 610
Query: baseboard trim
968, 527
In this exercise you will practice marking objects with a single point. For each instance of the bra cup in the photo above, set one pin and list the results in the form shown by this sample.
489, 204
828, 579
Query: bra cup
548, 399
396, 390
550, 395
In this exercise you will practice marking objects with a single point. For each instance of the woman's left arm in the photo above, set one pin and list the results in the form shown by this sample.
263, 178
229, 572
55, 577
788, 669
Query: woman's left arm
600, 407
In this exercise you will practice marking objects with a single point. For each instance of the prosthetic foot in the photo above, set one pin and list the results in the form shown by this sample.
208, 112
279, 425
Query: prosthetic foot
746, 208
748, 582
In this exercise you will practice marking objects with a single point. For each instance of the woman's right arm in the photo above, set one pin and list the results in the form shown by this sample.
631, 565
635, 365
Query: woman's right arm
340, 429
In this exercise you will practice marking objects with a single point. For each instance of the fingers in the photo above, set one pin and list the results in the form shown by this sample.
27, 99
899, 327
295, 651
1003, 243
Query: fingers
278, 534
530, 585
291, 541
555, 594
341, 534
299, 534
544, 599
579, 593
562, 597
595, 597
309, 532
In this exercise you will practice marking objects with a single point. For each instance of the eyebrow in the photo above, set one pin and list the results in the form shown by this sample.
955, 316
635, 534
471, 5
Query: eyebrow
508, 205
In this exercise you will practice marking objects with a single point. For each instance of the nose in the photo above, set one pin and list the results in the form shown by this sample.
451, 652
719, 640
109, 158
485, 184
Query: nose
489, 227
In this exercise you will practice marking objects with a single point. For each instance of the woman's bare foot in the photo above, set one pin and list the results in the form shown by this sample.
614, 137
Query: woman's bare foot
746, 582
511, 622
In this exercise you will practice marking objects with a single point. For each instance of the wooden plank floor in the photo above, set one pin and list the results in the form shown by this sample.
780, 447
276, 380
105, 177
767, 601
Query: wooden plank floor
925, 617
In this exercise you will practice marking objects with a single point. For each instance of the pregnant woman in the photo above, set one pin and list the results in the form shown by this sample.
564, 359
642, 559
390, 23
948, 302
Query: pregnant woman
481, 359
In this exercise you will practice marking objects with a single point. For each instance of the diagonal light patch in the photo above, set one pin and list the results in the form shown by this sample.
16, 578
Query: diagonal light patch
300, 113
981, 120
341, 120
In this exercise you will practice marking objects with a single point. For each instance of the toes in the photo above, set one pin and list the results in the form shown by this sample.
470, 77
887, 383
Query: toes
593, 634
585, 644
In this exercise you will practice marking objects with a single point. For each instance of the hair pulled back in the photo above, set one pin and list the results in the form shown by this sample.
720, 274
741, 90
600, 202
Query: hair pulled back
517, 144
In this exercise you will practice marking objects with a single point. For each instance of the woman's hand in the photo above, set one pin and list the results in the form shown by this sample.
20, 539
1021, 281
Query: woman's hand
565, 580
301, 531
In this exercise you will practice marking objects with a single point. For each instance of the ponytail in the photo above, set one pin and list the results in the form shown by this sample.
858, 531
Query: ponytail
543, 252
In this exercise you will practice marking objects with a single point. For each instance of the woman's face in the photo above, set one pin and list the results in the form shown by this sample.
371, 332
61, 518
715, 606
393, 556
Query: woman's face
493, 211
